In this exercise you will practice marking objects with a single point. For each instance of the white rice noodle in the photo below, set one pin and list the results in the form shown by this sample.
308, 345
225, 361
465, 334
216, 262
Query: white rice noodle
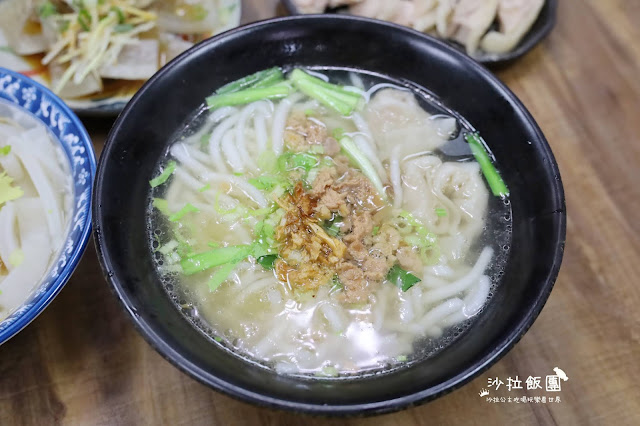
356, 80
334, 316
198, 155
211, 120
9, 242
272, 342
226, 202
361, 125
215, 141
441, 293
36, 246
280, 121
364, 146
260, 111
372, 91
231, 152
473, 302
406, 309
437, 314
379, 308
240, 183
256, 287
396, 178
183, 154
49, 196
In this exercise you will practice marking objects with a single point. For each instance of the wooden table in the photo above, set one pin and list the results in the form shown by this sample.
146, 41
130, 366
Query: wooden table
81, 362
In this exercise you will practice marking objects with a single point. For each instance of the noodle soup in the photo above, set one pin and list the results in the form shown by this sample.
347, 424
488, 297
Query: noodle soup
328, 223
35, 204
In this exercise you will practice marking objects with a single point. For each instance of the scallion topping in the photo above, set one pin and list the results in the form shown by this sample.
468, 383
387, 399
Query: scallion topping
492, 176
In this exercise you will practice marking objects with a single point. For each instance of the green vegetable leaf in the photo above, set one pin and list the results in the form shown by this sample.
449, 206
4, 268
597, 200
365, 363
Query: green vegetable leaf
268, 261
401, 278
5, 150
221, 275
216, 257
376, 230
7, 191
440, 212
164, 176
291, 161
162, 205
188, 208
428, 239
268, 183
332, 227
205, 188
363, 163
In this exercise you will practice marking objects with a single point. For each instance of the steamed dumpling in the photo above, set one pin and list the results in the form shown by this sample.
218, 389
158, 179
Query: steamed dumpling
396, 119
471, 20
516, 18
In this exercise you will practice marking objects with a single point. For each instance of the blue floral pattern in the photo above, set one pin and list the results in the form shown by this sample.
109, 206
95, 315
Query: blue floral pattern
73, 138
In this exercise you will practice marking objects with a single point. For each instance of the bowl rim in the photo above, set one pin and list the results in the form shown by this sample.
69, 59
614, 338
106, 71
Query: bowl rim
172, 355
80, 243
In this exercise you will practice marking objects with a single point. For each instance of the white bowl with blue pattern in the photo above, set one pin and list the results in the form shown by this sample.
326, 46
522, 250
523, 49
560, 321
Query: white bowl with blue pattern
68, 131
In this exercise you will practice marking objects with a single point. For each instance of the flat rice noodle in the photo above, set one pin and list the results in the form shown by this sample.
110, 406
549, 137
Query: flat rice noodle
31, 226
137, 61
14, 16
90, 84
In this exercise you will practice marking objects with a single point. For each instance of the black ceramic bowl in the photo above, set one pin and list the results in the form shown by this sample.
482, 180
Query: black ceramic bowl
539, 30
143, 131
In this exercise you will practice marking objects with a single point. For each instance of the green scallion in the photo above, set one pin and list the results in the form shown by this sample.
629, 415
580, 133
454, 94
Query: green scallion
162, 205
188, 208
221, 275
401, 278
164, 176
268, 261
259, 79
363, 163
492, 176
216, 257
277, 91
